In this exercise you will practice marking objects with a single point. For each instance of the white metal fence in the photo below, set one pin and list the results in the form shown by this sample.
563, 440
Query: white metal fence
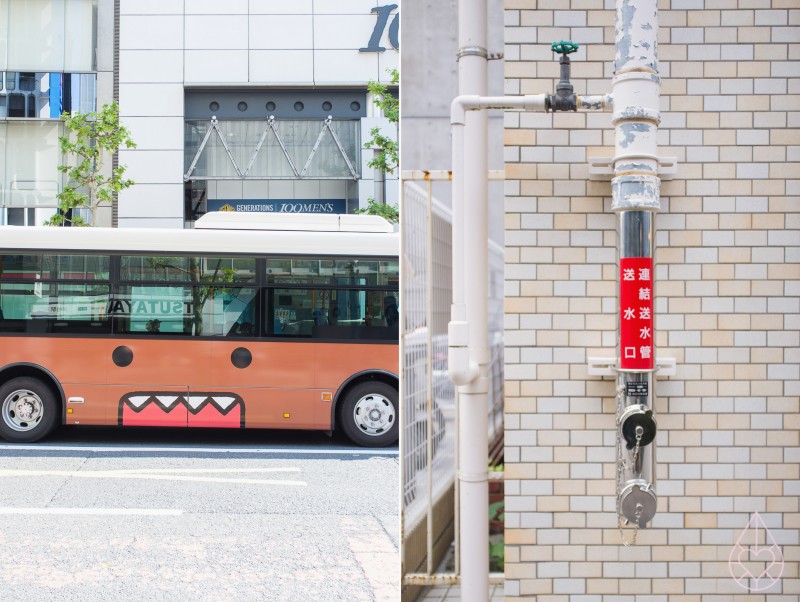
429, 408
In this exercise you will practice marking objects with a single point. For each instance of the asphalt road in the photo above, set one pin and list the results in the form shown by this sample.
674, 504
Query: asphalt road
152, 514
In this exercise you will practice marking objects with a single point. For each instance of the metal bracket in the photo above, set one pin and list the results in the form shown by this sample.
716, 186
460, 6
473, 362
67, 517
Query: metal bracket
602, 168
607, 366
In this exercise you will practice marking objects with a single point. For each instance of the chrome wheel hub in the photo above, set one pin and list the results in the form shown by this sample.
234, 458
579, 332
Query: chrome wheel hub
22, 410
374, 414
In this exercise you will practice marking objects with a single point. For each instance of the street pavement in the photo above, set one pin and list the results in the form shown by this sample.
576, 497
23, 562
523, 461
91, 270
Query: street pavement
151, 514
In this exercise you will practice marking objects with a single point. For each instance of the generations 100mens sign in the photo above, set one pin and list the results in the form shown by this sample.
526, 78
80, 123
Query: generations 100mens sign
279, 205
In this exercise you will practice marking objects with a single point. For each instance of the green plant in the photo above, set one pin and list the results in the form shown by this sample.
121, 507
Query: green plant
91, 140
388, 148
387, 157
389, 212
497, 547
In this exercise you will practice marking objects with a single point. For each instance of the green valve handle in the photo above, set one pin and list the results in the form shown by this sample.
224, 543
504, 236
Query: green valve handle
564, 47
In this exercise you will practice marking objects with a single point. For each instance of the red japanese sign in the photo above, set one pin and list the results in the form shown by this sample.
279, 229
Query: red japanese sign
636, 336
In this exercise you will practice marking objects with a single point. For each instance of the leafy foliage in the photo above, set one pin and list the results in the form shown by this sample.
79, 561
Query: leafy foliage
391, 213
387, 158
92, 139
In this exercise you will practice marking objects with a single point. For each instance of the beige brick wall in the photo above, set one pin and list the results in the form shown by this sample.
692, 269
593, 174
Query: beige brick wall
728, 306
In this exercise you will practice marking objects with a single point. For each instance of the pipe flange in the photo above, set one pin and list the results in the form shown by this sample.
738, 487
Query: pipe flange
638, 502
636, 114
472, 51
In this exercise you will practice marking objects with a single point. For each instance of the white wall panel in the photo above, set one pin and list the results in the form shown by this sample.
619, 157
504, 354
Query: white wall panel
158, 200
146, 100
219, 31
151, 7
344, 31
148, 66
387, 60
153, 166
151, 32
281, 189
277, 7
287, 66
281, 31
333, 189
216, 66
229, 189
151, 222
156, 133
306, 189
352, 7
215, 7
255, 189
366, 189
333, 66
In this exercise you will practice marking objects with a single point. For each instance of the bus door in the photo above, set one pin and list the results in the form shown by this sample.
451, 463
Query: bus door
273, 382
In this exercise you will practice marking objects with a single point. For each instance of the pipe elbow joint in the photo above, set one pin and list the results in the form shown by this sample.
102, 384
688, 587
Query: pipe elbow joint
461, 370
460, 106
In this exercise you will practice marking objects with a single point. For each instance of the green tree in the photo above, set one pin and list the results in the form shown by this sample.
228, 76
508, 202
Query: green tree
387, 158
91, 140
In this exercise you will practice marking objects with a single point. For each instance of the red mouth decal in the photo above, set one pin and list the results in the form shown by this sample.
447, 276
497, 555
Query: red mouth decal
217, 410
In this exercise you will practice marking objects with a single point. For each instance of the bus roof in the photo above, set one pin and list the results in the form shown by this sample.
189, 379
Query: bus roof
305, 222
233, 241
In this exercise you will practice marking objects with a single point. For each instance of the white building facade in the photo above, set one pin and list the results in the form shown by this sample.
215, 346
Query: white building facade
246, 105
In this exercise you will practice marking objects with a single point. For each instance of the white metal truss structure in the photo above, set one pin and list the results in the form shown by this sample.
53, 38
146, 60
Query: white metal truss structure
245, 173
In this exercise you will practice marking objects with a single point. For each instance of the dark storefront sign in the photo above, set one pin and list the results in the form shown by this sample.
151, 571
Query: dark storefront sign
279, 205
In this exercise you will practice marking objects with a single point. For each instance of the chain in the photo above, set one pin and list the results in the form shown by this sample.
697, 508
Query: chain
622, 466
639, 435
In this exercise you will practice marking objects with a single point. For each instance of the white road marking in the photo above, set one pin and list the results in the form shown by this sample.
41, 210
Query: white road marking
143, 474
95, 511
347, 451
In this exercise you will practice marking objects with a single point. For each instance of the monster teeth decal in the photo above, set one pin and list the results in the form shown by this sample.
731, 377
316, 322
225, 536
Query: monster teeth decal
195, 401
138, 400
167, 400
224, 402
224, 410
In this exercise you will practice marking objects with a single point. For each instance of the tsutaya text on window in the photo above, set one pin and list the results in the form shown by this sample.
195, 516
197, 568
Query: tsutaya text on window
637, 351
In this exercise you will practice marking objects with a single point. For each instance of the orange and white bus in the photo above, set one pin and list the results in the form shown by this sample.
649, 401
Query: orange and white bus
247, 321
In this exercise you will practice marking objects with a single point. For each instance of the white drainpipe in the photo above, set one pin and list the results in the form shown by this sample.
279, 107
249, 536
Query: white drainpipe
468, 329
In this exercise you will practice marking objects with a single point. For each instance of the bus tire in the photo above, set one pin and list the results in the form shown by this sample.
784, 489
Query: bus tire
369, 414
29, 410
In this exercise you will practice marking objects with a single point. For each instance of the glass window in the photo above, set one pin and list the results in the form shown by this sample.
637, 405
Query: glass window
50, 267
32, 155
136, 268
332, 314
48, 35
257, 141
54, 307
184, 310
341, 271
44, 95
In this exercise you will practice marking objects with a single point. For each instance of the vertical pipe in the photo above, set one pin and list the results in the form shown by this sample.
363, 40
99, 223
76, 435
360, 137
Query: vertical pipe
636, 200
473, 397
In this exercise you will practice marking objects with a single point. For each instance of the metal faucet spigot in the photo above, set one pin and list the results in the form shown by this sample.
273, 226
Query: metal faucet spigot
564, 99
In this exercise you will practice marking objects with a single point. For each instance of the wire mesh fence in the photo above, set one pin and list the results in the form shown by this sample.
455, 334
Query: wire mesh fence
429, 397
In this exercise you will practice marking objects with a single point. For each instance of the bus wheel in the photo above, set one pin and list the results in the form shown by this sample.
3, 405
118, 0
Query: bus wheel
28, 410
369, 414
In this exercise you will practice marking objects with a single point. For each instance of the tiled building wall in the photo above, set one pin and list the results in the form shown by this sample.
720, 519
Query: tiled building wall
728, 306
